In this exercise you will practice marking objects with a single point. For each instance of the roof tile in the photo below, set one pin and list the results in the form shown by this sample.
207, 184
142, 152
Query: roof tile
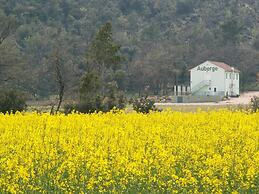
224, 66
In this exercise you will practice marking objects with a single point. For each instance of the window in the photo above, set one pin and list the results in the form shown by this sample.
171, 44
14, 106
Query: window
237, 76
215, 89
226, 75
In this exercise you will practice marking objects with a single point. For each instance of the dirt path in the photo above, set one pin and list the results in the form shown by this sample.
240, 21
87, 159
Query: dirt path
244, 99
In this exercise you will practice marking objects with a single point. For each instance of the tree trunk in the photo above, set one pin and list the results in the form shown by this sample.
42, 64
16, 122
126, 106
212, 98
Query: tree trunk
60, 81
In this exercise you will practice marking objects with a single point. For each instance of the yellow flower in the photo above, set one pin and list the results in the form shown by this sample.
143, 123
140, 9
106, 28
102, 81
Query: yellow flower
117, 152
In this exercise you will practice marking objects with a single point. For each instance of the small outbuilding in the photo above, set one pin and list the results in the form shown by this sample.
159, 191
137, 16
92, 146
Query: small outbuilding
213, 78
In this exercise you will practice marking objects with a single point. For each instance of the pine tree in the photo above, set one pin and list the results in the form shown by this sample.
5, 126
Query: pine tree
104, 52
99, 89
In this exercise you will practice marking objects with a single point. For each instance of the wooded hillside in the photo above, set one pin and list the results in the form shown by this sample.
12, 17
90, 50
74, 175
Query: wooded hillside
160, 39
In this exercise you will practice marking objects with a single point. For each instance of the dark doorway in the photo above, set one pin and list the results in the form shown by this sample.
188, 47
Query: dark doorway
179, 99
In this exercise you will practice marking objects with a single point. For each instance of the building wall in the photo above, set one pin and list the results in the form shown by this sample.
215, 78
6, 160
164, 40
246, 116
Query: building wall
213, 75
232, 83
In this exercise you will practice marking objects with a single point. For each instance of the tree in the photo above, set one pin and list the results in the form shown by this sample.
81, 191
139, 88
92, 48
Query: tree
8, 26
184, 7
199, 27
10, 55
99, 88
231, 30
59, 79
90, 85
104, 53
11, 101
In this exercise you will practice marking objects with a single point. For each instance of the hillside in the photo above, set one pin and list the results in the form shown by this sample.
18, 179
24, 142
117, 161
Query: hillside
161, 40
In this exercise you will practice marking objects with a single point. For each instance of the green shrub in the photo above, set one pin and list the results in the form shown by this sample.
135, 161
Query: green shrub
91, 105
255, 104
144, 105
11, 101
69, 108
97, 104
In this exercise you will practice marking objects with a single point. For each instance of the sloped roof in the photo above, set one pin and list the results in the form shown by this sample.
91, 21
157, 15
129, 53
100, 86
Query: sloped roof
224, 66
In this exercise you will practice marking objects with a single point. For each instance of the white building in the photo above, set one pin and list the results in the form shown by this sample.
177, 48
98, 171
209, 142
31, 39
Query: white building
214, 79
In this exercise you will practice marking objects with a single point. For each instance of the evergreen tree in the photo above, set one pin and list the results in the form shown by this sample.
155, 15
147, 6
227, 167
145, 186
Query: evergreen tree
99, 89
104, 52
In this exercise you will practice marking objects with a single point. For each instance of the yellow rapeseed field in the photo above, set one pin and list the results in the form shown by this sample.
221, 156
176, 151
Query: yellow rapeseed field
166, 152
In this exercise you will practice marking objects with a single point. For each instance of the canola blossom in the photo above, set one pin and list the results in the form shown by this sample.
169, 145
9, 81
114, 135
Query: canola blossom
166, 152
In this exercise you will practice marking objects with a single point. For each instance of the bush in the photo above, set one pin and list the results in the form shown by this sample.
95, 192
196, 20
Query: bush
97, 95
113, 98
69, 108
90, 106
144, 105
97, 104
11, 101
255, 104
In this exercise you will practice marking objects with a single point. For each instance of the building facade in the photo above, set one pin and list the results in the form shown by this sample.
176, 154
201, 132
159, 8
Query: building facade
215, 79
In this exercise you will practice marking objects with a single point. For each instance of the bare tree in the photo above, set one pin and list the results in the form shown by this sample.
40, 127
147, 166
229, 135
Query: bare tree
8, 25
57, 61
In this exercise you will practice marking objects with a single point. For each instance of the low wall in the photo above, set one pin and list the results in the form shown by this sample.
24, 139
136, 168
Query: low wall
194, 99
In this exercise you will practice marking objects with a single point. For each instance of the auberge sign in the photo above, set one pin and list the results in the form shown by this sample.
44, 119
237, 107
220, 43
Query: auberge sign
207, 69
